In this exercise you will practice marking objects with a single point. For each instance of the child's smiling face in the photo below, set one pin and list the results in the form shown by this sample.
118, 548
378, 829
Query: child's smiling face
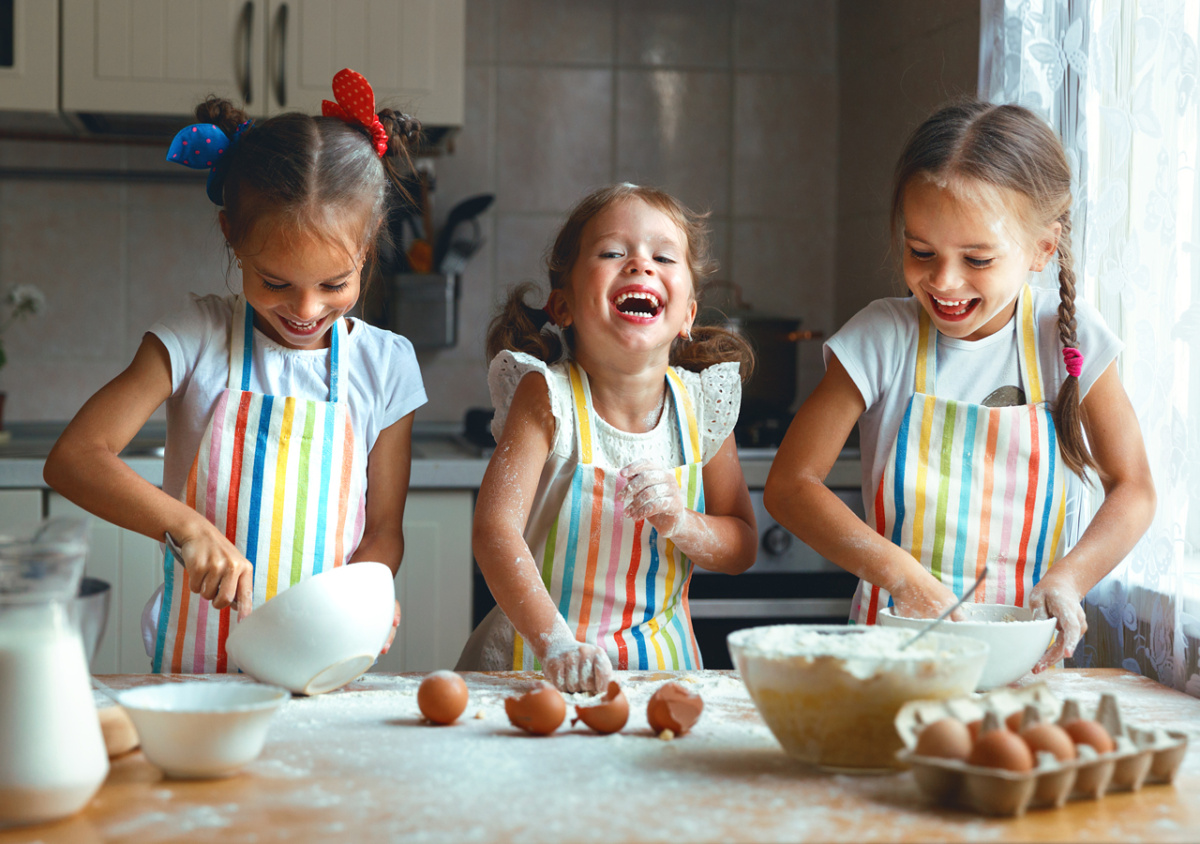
630, 288
966, 255
298, 284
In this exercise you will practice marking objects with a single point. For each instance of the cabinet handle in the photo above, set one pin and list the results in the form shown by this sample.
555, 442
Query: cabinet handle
279, 41
246, 31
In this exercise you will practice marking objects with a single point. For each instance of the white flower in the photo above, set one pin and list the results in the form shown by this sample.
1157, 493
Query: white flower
25, 299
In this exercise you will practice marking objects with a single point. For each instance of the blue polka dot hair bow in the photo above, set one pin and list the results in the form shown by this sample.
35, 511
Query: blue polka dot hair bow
205, 146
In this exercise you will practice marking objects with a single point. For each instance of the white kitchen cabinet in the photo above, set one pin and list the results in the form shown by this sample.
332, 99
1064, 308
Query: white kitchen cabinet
29, 63
20, 511
132, 565
164, 56
434, 583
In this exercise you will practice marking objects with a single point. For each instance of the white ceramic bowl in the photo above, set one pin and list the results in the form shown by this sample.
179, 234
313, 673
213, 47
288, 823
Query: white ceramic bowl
200, 729
320, 634
830, 692
1016, 639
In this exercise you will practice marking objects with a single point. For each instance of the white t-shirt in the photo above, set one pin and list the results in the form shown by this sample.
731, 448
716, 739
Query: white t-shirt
878, 349
384, 379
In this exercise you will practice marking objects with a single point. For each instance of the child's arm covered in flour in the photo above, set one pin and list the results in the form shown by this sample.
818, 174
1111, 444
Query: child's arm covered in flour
501, 512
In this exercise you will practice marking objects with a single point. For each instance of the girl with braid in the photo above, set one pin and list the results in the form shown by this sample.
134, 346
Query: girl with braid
984, 404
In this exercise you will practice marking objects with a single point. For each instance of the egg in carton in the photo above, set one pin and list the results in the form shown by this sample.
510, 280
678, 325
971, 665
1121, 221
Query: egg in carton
1139, 756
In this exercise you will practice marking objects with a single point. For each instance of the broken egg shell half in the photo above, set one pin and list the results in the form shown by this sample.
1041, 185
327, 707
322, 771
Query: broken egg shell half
538, 711
607, 716
442, 697
674, 707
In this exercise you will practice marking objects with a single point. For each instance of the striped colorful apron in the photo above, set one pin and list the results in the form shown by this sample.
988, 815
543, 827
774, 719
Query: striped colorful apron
285, 480
618, 584
966, 484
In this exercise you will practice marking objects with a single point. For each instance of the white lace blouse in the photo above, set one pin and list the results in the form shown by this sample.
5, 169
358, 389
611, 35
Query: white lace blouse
716, 395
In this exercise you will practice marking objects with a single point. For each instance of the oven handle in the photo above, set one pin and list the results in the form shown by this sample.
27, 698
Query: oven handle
769, 608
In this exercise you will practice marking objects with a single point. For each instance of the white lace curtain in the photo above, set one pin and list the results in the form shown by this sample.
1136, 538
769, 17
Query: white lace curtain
1118, 80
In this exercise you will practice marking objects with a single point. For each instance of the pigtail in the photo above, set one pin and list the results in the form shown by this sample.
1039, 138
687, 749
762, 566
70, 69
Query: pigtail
222, 113
710, 344
518, 328
1067, 417
404, 138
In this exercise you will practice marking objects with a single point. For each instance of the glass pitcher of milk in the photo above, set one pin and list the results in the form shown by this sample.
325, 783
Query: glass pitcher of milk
53, 757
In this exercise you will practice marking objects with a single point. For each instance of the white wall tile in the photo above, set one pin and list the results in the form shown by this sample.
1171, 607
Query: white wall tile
674, 131
554, 138
795, 35
785, 145
674, 33
556, 31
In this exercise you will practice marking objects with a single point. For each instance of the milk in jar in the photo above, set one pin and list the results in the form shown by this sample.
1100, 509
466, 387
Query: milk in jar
54, 759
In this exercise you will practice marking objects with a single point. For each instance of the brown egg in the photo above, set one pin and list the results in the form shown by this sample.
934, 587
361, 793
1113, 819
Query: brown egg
674, 707
948, 738
1013, 721
607, 716
1049, 738
1083, 731
973, 728
442, 697
1001, 749
539, 711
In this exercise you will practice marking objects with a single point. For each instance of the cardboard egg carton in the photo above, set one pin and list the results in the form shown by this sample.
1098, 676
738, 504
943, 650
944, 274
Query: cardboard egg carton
1142, 756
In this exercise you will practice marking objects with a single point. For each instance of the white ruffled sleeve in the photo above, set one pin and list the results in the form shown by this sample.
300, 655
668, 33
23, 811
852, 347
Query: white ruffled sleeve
717, 392
505, 373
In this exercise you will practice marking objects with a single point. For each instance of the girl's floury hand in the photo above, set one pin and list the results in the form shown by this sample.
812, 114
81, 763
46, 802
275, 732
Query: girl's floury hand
1058, 597
653, 494
574, 666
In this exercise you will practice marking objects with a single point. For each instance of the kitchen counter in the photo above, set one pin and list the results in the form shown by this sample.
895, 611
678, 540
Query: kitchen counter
359, 764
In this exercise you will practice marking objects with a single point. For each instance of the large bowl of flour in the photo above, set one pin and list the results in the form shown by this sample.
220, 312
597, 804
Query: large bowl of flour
830, 692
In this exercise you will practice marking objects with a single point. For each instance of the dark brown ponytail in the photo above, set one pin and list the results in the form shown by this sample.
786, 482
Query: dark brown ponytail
518, 328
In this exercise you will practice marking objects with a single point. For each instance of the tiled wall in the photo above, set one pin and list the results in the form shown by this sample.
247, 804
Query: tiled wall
898, 61
733, 105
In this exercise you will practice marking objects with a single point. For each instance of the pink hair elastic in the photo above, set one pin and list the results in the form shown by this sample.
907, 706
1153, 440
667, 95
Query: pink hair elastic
1073, 358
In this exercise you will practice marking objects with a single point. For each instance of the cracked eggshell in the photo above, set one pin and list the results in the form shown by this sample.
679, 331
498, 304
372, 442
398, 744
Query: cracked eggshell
607, 716
538, 711
674, 707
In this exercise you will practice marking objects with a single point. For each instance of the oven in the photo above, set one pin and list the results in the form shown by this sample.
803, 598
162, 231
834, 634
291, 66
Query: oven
789, 583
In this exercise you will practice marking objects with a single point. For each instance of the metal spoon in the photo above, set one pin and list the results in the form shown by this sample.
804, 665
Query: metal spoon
952, 608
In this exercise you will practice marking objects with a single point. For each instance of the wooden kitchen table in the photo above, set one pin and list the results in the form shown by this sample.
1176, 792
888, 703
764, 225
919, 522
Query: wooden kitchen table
359, 764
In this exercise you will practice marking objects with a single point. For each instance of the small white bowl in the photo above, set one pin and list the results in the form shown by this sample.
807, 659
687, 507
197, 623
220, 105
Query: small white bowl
202, 729
1016, 640
320, 634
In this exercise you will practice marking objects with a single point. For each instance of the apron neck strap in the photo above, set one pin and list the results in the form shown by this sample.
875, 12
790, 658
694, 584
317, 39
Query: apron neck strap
241, 351
685, 415
581, 395
1028, 355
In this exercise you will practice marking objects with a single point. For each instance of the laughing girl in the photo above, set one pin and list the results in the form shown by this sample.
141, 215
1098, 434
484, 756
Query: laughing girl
615, 469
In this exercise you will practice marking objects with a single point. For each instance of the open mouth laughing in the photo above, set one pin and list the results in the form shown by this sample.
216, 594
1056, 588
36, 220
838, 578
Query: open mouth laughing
954, 309
637, 304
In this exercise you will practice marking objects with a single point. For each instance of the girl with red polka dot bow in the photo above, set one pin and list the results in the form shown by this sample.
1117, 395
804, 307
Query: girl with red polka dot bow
281, 410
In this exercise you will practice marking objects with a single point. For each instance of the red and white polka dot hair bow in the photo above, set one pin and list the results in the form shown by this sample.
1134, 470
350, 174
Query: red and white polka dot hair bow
356, 104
